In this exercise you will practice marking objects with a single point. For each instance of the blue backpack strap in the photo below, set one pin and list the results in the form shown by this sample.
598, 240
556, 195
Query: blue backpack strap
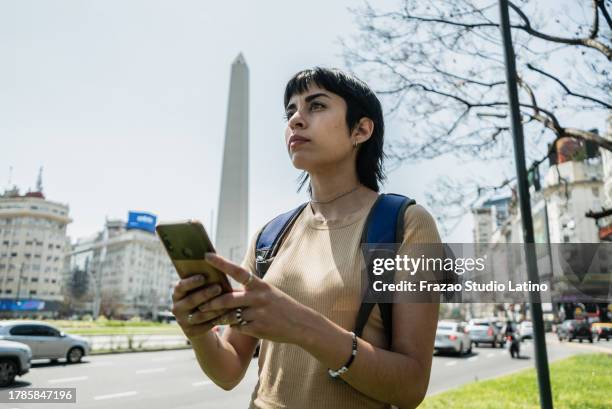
384, 225
270, 238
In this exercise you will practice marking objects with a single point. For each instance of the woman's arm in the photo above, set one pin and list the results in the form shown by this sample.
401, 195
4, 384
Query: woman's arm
225, 359
399, 376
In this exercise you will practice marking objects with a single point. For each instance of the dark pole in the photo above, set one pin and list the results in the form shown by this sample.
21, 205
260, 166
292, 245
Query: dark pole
524, 200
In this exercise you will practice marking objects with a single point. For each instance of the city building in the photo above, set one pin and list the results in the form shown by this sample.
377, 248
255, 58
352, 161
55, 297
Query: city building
33, 244
488, 218
126, 270
573, 186
603, 217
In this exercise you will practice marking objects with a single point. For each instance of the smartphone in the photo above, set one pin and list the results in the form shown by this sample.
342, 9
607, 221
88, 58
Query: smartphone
186, 244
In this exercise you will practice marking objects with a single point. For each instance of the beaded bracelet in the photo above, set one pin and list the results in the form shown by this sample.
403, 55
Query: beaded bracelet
335, 374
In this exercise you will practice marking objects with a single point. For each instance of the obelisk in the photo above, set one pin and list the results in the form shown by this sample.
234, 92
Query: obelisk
232, 221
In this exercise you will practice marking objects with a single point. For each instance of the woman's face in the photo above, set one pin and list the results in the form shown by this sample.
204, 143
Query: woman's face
317, 134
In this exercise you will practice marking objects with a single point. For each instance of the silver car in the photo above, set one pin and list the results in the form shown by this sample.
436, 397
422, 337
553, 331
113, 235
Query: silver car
451, 336
46, 341
14, 361
483, 331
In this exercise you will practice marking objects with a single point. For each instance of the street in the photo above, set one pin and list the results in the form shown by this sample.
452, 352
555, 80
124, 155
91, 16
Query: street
172, 379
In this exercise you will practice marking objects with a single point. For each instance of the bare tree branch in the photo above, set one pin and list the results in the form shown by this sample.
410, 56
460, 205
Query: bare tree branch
589, 42
604, 11
566, 88
595, 26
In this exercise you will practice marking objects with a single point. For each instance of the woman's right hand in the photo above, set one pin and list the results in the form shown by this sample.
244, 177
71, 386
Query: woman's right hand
185, 302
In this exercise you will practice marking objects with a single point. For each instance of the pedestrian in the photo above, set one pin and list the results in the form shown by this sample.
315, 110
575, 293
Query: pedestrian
304, 309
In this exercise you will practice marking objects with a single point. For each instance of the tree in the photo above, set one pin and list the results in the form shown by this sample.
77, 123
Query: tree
111, 303
78, 286
440, 66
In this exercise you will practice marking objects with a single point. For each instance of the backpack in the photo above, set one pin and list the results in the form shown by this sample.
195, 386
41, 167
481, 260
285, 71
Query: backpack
384, 224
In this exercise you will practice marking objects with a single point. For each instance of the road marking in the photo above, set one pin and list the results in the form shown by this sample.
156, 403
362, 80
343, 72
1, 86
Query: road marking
115, 395
490, 355
151, 370
76, 378
451, 363
162, 359
472, 359
202, 383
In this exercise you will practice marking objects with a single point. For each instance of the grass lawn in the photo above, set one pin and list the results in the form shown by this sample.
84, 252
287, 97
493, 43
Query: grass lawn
126, 330
115, 327
578, 382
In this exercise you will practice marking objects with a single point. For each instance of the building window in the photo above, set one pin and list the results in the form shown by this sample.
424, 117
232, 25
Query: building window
32, 292
34, 279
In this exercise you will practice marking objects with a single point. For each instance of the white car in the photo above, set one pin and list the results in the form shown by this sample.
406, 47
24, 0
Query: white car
451, 336
525, 330
14, 361
46, 341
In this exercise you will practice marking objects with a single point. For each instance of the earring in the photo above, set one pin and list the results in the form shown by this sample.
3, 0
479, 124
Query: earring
355, 144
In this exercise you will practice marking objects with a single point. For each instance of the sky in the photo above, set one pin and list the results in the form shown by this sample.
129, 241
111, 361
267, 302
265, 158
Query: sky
124, 104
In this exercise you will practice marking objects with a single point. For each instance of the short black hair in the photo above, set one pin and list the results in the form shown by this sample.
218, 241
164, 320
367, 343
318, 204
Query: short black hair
360, 102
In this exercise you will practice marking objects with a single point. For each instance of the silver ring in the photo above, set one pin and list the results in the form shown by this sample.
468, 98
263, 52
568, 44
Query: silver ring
239, 318
189, 318
248, 280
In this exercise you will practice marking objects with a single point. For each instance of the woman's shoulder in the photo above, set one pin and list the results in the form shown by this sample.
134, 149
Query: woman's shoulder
420, 225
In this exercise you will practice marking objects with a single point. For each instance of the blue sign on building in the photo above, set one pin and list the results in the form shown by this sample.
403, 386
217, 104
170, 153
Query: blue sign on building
21, 305
141, 221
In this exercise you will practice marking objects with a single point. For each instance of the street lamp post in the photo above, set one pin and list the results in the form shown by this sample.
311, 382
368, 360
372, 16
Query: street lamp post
525, 205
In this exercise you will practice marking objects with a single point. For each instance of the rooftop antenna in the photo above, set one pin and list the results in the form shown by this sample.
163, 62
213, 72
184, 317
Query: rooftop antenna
39, 185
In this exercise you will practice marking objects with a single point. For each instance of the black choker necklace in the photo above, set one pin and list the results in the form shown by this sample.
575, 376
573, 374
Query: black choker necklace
335, 198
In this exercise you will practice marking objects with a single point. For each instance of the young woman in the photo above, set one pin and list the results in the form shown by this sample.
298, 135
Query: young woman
305, 308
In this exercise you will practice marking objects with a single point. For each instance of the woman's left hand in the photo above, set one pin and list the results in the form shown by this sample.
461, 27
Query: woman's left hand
269, 313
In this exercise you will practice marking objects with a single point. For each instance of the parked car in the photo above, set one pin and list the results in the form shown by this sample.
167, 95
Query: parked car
525, 330
46, 341
602, 330
483, 331
14, 361
452, 337
574, 329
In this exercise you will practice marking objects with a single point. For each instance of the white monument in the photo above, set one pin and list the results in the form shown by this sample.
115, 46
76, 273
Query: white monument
232, 222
